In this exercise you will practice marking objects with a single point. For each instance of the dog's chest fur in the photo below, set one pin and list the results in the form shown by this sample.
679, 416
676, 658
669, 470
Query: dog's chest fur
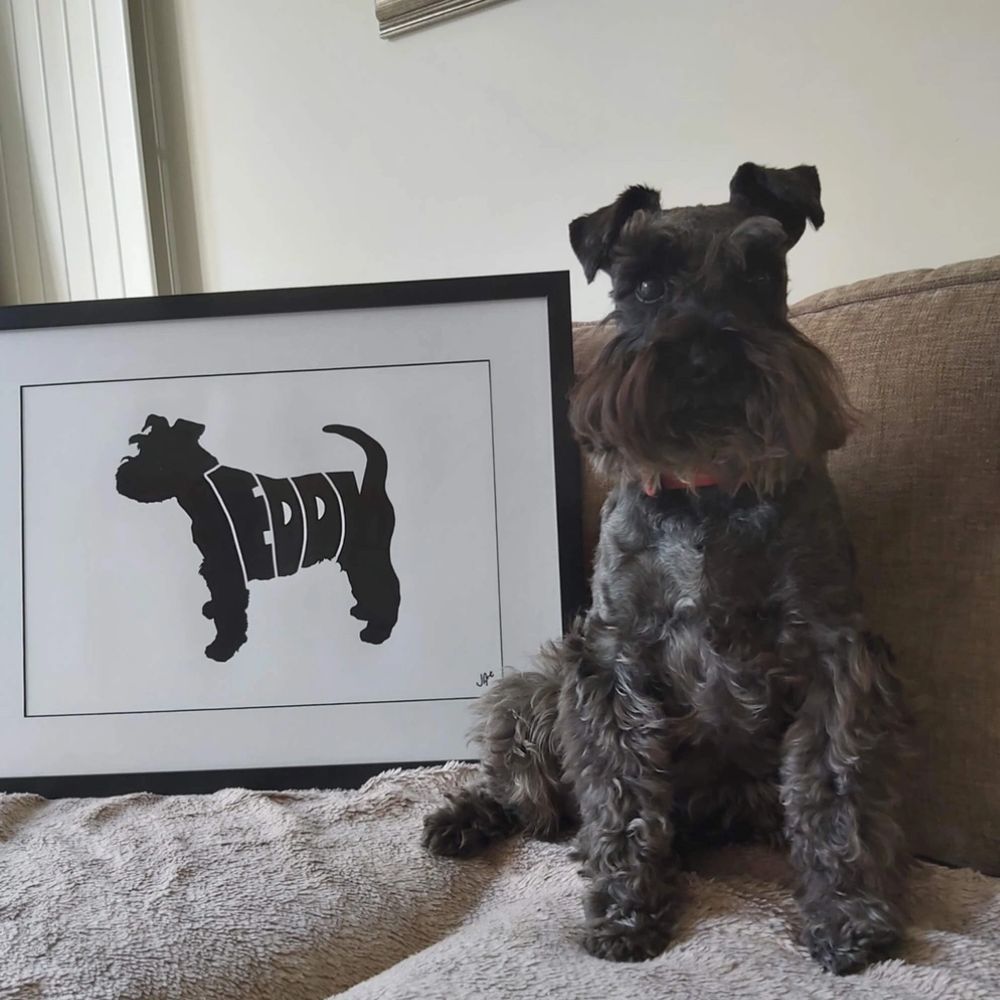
705, 588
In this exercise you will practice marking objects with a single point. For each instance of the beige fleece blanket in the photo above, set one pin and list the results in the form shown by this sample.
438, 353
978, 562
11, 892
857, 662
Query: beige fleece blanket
253, 895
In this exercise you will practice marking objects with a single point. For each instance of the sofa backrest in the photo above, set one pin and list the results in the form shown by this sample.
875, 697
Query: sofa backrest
920, 486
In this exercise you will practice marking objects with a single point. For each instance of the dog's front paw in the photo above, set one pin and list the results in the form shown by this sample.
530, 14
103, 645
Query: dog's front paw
627, 936
452, 832
447, 835
848, 947
222, 650
375, 633
471, 821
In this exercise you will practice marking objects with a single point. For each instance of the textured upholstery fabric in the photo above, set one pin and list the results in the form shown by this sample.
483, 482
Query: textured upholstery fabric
306, 895
920, 485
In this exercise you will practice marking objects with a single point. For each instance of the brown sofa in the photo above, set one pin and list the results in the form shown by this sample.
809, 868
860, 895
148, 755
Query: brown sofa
920, 484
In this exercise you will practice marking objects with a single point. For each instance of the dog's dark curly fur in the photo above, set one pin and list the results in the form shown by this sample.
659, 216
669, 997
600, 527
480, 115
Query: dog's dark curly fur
723, 684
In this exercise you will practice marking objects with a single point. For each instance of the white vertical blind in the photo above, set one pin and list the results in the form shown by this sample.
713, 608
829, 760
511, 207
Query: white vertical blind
74, 223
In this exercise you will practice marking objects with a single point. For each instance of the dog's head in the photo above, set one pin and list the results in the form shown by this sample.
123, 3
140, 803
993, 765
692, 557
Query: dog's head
169, 459
705, 372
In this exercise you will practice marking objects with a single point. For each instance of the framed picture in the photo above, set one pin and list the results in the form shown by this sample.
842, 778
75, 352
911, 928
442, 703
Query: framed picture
277, 538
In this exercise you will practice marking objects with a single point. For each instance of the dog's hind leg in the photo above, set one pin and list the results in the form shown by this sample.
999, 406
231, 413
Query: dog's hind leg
521, 788
376, 591
366, 558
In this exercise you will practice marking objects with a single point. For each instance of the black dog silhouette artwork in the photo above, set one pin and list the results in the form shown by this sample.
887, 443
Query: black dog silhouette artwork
253, 527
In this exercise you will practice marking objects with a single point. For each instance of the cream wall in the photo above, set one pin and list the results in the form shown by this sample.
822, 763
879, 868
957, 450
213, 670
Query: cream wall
304, 149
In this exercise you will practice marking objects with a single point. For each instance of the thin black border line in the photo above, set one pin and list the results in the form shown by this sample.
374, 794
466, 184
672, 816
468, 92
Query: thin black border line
251, 708
276, 371
496, 513
243, 708
553, 286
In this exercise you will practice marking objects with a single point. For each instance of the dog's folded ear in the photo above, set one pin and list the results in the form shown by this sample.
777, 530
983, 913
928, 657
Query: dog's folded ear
790, 196
188, 429
593, 236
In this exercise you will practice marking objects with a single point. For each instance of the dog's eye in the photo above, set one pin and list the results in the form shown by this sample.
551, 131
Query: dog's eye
650, 290
760, 278
761, 272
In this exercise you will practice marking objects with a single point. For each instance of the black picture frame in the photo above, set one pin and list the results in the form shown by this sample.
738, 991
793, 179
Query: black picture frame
552, 286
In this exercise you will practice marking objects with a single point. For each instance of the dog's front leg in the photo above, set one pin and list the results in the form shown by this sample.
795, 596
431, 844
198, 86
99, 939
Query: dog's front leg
617, 759
839, 774
227, 608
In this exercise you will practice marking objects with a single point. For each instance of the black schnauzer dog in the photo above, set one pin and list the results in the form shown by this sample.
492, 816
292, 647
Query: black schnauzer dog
252, 527
723, 684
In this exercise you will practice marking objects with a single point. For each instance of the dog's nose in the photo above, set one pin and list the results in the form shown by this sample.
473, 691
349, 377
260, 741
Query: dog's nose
704, 361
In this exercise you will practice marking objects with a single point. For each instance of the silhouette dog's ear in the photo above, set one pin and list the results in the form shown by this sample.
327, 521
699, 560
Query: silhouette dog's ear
155, 423
188, 429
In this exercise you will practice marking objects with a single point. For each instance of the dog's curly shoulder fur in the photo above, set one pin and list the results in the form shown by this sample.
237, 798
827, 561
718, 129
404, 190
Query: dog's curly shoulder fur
723, 684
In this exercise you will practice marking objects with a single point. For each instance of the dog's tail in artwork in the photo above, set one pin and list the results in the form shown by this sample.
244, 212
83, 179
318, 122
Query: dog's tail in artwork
376, 464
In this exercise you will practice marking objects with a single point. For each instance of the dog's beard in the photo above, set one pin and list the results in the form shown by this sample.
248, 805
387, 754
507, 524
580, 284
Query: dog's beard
782, 408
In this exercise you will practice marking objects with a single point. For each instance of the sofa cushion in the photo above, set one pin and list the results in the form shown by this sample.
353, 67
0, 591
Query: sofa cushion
920, 485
